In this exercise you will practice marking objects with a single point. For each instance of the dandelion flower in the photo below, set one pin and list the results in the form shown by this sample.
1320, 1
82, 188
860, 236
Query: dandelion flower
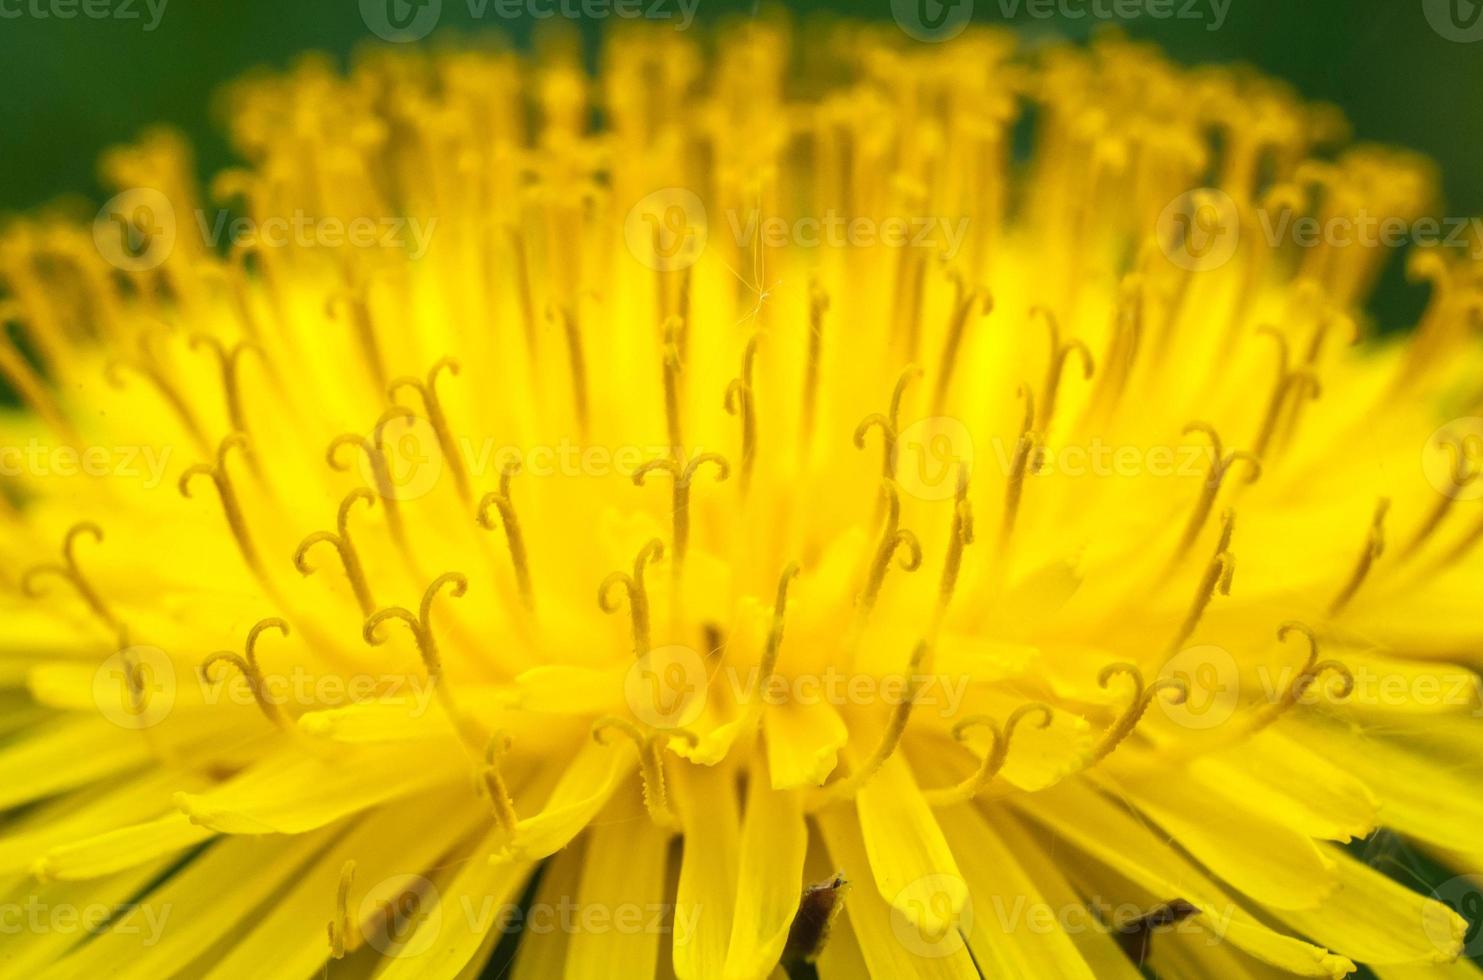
889, 513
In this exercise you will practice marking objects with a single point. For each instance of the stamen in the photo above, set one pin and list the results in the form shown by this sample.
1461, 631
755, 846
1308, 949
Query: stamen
638, 596
1137, 705
230, 504
1444, 322
234, 273
230, 362
354, 297
1059, 353
253, 673
1322, 328
516, 540
680, 481
969, 298
343, 931
420, 626
1217, 578
892, 538
1291, 383
889, 424
959, 538
775, 632
380, 471
651, 762
1463, 475
1312, 670
439, 421
340, 540
578, 365
672, 294
1026, 460
846, 788
818, 306
741, 401
71, 573
134, 678
1459, 550
522, 285
27, 384
1220, 464
911, 277
993, 760
150, 367
494, 783
1123, 347
673, 365
1374, 548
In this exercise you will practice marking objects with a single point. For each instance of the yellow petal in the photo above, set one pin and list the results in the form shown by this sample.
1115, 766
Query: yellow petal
1283, 778
85, 814
913, 867
542, 950
705, 798
803, 743
774, 840
124, 847
67, 753
1112, 835
890, 943
404, 838
293, 791
1004, 897
617, 928
1374, 919
1273, 864
584, 788
473, 903
28, 951
218, 888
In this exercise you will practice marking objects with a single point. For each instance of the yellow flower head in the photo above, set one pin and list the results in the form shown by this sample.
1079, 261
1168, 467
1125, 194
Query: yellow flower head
904, 511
